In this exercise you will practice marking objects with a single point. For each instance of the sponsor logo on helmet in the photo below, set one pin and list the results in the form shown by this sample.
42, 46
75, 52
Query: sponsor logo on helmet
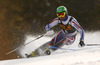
59, 10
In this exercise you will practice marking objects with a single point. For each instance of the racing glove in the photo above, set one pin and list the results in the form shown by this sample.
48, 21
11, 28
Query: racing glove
81, 43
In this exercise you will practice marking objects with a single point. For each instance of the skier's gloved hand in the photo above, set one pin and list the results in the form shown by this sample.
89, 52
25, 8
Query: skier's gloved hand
81, 43
50, 32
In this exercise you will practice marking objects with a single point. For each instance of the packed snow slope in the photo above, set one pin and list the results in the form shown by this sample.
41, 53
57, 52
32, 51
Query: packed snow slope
69, 55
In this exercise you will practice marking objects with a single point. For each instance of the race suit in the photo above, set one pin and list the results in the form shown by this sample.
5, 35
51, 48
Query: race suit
69, 28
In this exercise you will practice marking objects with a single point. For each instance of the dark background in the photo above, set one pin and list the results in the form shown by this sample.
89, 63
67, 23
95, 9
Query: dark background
21, 17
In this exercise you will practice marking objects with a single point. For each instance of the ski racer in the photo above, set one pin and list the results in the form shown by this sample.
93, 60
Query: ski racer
69, 28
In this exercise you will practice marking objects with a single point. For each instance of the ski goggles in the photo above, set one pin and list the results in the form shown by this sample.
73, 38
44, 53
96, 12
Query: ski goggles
61, 14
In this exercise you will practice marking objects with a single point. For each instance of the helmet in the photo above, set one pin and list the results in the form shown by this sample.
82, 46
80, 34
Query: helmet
61, 9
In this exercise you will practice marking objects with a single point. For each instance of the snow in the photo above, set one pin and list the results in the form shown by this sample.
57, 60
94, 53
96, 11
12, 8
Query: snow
69, 55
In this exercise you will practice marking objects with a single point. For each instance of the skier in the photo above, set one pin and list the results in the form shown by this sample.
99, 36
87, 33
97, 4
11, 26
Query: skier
69, 27
66, 36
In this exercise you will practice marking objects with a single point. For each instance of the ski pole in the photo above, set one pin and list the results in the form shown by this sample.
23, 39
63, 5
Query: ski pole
47, 33
24, 44
92, 44
35, 39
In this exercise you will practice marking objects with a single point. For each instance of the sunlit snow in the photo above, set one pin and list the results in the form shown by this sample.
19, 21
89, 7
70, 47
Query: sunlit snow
69, 55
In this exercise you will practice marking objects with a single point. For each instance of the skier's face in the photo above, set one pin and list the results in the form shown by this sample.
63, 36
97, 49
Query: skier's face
62, 18
62, 15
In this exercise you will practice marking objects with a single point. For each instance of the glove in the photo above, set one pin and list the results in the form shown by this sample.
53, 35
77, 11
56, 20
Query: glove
81, 43
50, 32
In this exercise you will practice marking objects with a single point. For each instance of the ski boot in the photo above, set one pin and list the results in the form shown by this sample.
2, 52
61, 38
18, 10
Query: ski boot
27, 56
47, 52
30, 55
